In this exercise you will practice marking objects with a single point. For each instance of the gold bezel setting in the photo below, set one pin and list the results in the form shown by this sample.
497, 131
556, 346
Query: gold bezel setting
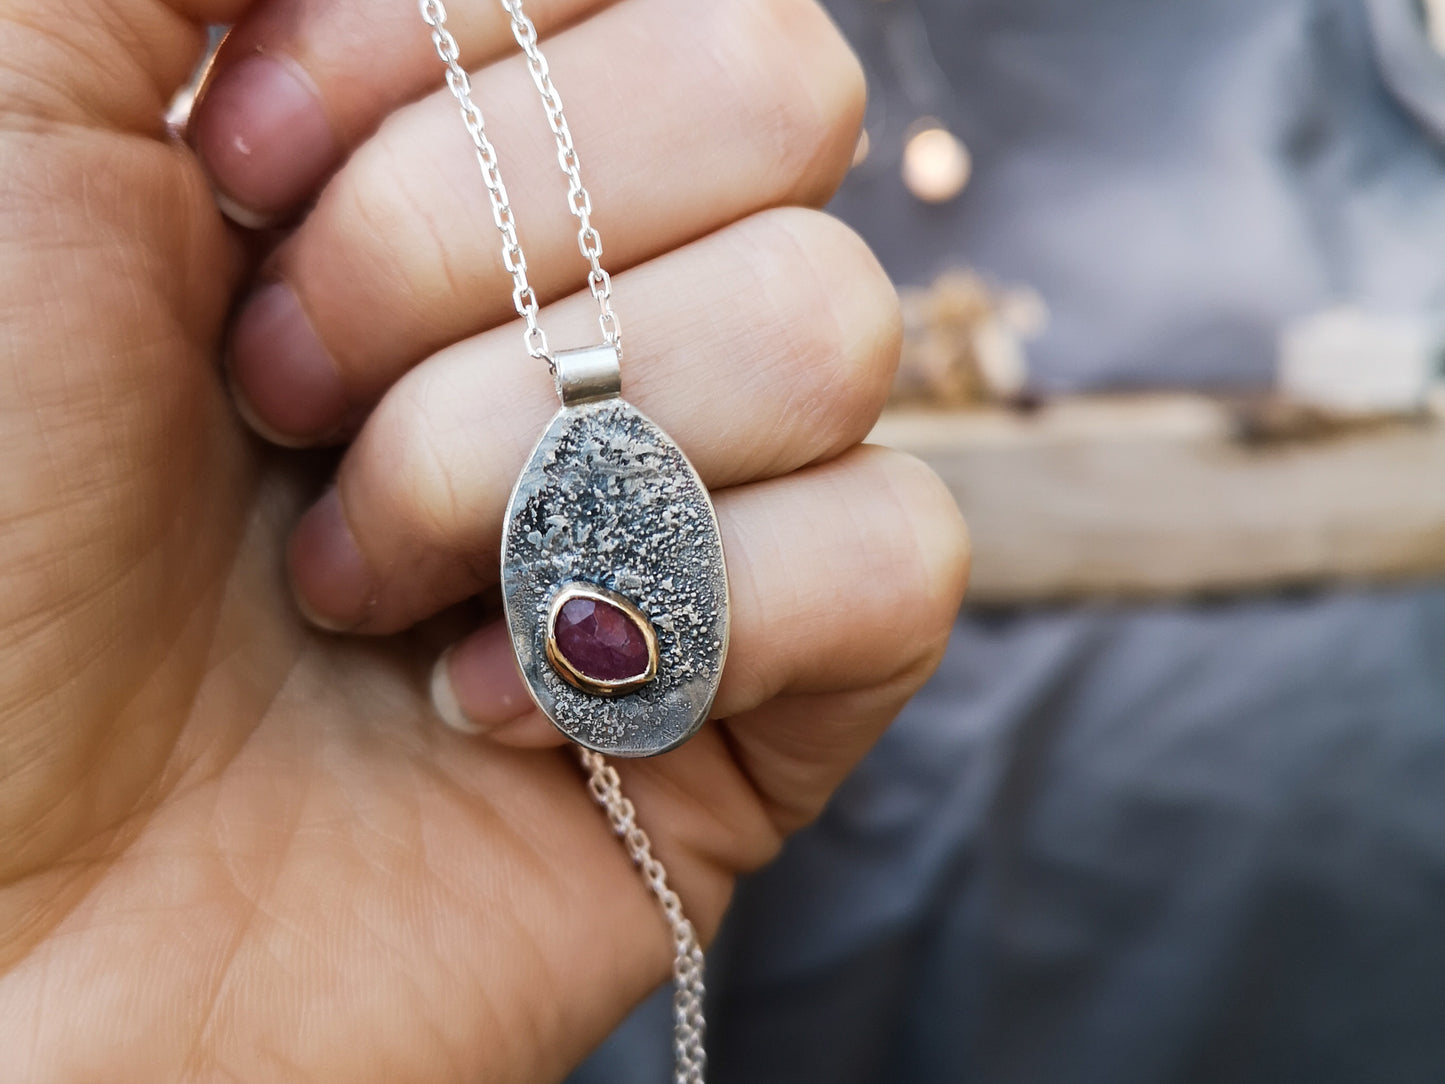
574, 677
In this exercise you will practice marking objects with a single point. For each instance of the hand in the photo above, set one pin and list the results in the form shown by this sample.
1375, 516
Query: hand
236, 847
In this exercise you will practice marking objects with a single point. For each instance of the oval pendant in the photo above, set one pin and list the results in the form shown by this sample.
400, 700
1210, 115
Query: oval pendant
613, 580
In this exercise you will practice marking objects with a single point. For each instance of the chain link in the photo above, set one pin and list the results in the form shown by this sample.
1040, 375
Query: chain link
579, 202
689, 1056
688, 1027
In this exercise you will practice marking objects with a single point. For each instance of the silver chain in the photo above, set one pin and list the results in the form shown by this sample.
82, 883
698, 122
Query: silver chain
589, 241
689, 1057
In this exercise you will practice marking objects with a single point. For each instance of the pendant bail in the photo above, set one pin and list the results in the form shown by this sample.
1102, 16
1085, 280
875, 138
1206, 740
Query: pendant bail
588, 374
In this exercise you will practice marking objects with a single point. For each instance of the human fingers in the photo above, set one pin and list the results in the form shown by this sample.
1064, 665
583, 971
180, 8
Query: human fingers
298, 84
399, 257
794, 368
844, 580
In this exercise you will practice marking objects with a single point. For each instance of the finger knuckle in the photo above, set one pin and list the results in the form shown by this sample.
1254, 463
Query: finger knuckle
414, 463
801, 88
836, 317
387, 213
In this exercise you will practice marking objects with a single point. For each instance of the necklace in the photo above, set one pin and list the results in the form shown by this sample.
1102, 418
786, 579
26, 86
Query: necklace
613, 578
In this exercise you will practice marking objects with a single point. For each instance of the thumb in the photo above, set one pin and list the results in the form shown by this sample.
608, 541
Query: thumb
125, 479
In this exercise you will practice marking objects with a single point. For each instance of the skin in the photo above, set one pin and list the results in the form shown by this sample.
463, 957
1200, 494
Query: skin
236, 846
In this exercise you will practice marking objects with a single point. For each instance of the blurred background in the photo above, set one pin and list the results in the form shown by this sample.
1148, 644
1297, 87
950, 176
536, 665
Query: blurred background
1173, 809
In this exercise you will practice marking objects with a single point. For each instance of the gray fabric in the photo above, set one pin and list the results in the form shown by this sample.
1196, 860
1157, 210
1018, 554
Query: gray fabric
1176, 178
1409, 63
1115, 846
1124, 846
1135, 845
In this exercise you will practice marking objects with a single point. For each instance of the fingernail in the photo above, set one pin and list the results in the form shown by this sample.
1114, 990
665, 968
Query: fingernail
286, 385
263, 138
475, 687
330, 577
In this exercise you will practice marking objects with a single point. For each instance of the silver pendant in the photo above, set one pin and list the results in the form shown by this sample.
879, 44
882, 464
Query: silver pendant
613, 577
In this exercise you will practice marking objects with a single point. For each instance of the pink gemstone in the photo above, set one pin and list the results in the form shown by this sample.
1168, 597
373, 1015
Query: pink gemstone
600, 641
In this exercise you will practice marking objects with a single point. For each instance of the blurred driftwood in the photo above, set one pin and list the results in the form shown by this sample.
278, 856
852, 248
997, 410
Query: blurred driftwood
1177, 495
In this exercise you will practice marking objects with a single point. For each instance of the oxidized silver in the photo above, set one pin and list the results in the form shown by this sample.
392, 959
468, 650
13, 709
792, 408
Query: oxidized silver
608, 499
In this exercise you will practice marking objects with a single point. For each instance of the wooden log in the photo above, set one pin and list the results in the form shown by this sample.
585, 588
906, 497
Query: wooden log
1159, 496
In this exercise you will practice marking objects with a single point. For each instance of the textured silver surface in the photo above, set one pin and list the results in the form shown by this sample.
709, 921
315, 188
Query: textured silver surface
607, 498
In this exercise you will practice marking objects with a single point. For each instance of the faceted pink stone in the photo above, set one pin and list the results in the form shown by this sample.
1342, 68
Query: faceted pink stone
600, 641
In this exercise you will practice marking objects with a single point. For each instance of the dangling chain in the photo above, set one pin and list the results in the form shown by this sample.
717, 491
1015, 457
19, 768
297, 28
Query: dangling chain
689, 1059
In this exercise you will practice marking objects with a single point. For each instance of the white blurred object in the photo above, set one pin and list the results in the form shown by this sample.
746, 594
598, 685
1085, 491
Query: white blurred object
964, 341
1353, 361
861, 149
1435, 22
1001, 360
998, 343
1024, 310
936, 164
